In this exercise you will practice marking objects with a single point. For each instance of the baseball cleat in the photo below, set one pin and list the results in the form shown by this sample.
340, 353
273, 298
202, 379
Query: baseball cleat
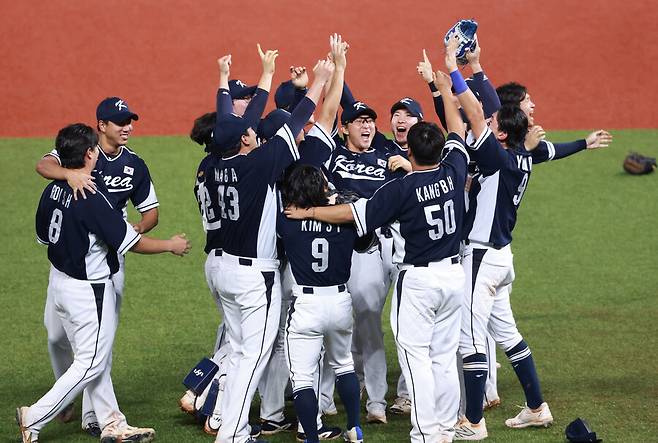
92, 429
526, 417
186, 402
325, 433
490, 404
67, 414
212, 424
376, 418
270, 427
353, 435
27, 435
465, 430
126, 434
401, 406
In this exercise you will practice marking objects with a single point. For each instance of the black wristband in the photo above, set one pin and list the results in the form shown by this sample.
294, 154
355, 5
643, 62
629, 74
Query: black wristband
432, 86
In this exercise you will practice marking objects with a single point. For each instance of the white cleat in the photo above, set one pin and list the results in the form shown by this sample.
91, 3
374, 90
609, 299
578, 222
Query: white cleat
526, 418
401, 406
26, 435
465, 430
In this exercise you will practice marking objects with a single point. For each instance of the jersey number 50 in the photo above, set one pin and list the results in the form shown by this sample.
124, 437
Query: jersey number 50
440, 225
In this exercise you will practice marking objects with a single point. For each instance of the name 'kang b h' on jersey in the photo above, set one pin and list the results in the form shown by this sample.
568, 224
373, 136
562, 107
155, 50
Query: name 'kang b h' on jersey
425, 208
83, 235
498, 187
241, 197
126, 177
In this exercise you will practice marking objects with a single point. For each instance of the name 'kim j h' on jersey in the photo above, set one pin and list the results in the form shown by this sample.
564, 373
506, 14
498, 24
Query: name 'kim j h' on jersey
425, 209
126, 177
497, 189
239, 197
320, 254
83, 235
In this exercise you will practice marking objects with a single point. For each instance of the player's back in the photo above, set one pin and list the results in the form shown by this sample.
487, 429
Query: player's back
320, 254
83, 235
242, 190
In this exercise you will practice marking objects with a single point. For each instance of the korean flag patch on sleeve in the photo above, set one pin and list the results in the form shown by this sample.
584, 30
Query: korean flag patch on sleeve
381, 162
128, 170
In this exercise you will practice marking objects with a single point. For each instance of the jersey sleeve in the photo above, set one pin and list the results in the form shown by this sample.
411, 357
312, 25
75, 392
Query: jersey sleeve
224, 103
380, 209
277, 154
455, 153
102, 219
488, 153
487, 93
256, 107
41, 223
54, 154
143, 196
317, 146
547, 151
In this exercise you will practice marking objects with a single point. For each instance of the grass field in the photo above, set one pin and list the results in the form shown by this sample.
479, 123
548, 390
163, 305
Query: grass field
585, 299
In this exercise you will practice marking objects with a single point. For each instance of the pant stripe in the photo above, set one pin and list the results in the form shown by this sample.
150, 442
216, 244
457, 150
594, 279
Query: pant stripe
99, 292
414, 404
478, 255
291, 310
269, 282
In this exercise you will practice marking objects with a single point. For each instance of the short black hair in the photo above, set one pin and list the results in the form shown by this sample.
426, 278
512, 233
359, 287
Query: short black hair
511, 93
72, 143
304, 186
513, 121
203, 128
426, 140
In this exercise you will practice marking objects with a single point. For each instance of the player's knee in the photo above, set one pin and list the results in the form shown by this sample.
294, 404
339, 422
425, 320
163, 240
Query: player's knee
510, 342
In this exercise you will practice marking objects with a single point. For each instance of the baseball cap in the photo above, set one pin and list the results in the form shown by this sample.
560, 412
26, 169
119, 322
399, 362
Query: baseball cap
228, 130
285, 95
356, 110
410, 105
578, 431
272, 123
115, 110
239, 89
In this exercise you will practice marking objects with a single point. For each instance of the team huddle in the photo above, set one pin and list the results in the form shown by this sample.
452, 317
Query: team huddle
311, 219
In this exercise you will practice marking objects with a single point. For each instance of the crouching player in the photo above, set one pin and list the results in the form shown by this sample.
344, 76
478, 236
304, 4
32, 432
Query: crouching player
428, 208
320, 315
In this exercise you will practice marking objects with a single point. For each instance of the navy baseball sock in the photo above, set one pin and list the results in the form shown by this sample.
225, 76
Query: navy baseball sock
347, 386
306, 407
524, 366
475, 378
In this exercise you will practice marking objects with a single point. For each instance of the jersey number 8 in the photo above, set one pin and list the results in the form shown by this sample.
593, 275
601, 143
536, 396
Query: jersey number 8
438, 223
55, 227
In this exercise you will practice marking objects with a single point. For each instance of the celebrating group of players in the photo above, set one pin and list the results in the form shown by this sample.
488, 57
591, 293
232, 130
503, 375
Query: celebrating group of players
308, 224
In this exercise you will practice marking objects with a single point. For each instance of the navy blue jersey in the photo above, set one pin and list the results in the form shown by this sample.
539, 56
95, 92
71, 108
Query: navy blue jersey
424, 208
320, 254
243, 196
84, 235
498, 187
207, 201
126, 177
390, 146
317, 147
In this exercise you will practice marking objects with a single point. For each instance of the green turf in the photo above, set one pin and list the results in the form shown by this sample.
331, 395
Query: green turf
585, 299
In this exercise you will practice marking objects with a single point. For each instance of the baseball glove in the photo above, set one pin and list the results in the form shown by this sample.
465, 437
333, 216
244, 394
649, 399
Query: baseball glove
465, 30
638, 164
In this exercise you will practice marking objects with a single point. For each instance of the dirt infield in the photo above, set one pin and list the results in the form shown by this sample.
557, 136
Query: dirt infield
588, 64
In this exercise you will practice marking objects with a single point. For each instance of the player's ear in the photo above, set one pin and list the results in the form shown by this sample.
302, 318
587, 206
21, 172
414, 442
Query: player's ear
101, 126
501, 135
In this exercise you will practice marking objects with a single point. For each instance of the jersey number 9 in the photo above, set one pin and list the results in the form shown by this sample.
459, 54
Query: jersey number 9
440, 225
320, 251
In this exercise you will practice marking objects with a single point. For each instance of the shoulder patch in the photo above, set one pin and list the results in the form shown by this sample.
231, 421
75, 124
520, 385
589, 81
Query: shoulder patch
128, 170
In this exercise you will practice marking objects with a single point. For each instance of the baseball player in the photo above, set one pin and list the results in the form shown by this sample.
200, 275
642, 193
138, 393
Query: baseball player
495, 195
126, 177
320, 315
428, 208
83, 238
242, 259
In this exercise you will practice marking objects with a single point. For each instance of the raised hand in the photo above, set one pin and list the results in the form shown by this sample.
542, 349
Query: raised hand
424, 68
224, 64
451, 53
474, 56
598, 139
338, 51
299, 76
267, 58
323, 71
442, 81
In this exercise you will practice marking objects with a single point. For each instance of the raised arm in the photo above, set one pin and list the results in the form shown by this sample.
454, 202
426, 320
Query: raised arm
322, 73
267, 58
480, 82
224, 103
333, 96
453, 118
469, 103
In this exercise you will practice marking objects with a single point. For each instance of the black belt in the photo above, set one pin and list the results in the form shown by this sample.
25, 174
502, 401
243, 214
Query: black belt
491, 245
309, 290
453, 260
242, 261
